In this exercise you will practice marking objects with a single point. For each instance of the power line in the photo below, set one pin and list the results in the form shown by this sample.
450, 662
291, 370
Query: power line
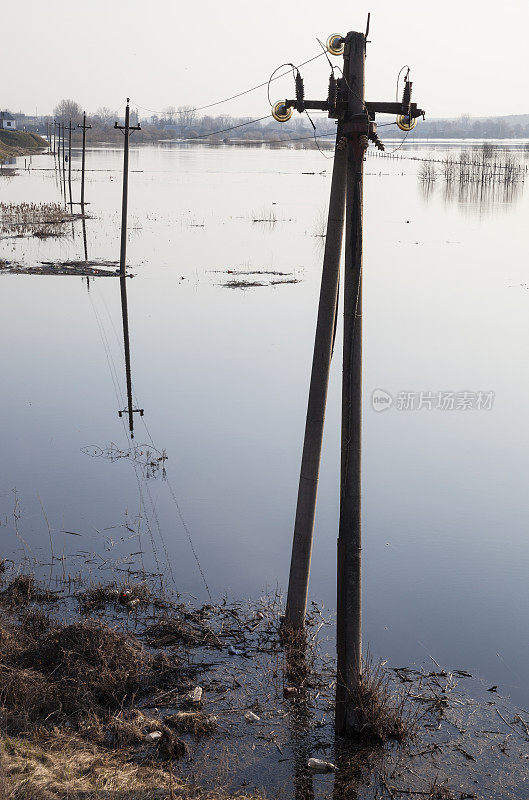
234, 96
223, 130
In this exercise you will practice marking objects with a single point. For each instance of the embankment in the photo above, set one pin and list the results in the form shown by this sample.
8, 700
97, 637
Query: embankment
19, 143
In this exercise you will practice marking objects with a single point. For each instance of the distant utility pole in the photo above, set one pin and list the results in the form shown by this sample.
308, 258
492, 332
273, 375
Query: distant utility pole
70, 162
64, 147
85, 127
126, 130
356, 127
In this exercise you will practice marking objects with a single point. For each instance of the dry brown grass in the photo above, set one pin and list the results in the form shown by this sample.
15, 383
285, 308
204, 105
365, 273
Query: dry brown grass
64, 766
192, 722
383, 714
23, 590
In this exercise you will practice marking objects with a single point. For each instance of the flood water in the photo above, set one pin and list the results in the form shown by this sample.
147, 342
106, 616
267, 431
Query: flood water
222, 376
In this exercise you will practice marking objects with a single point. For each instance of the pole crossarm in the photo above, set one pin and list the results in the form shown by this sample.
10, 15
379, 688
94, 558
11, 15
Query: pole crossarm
127, 127
341, 107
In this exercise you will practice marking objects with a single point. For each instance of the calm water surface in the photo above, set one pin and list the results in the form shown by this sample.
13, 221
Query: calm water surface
222, 375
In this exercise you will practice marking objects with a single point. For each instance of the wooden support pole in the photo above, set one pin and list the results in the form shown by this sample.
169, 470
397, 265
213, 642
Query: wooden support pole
125, 129
70, 163
85, 127
349, 586
64, 147
125, 198
321, 362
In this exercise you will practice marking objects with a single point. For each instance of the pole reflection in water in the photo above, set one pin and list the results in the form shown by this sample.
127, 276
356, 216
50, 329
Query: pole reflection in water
126, 344
300, 718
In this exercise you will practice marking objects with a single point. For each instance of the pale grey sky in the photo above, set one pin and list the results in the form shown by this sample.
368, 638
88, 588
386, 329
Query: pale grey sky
466, 57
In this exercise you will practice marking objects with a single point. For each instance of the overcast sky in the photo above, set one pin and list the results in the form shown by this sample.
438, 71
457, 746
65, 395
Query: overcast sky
466, 56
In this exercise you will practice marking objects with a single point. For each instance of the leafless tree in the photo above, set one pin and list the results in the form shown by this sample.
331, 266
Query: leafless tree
186, 117
68, 110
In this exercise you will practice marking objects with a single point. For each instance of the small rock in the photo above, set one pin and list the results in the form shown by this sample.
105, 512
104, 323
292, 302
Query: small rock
289, 691
251, 717
317, 765
259, 615
195, 695
153, 736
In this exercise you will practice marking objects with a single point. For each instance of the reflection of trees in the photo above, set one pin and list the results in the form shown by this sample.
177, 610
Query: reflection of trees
483, 177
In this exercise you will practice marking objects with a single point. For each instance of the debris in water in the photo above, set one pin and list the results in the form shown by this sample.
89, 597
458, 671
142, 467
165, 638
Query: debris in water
154, 736
317, 765
91, 269
250, 717
195, 695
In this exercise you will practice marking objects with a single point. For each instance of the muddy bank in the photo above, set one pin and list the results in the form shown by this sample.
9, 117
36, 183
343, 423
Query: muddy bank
20, 143
117, 687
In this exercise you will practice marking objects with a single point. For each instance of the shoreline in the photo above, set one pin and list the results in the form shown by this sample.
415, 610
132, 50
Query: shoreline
120, 687
20, 143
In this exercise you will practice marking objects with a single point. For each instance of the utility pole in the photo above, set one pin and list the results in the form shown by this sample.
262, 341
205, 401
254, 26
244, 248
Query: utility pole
85, 127
126, 130
349, 573
70, 163
346, 103
64, 147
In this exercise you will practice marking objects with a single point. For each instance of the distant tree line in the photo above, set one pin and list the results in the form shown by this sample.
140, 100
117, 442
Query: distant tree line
186, 122
465, 127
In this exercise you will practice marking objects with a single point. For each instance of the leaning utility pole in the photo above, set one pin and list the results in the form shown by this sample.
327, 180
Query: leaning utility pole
85, 127
356, 117
125, 129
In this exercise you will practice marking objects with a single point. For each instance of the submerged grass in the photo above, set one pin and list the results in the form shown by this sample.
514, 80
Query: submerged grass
112, 707
43, 220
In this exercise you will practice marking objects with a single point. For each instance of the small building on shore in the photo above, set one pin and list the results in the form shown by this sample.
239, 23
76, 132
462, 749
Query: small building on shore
7, 121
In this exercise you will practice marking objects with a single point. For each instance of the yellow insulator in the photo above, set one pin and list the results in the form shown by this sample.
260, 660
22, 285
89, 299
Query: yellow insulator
406, 123
335, 44
280, 112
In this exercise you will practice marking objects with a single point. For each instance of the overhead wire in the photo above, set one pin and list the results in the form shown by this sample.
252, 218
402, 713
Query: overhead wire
233, 96
223, 130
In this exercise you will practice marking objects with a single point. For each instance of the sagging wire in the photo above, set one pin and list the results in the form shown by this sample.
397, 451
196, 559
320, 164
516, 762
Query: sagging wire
295, 73
398, 80
315, 139
233, 96
223, 130
401, 70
